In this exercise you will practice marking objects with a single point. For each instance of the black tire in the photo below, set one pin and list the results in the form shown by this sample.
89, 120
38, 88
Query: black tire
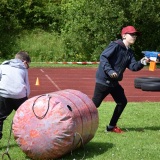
150, 86
139, 80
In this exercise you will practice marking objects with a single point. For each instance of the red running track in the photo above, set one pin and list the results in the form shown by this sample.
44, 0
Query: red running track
83, 79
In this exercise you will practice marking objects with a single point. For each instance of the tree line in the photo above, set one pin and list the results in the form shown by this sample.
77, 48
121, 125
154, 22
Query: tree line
75, 30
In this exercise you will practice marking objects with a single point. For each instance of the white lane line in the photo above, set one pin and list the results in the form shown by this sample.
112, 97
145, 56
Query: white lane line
50, 79
42, 70
53, 82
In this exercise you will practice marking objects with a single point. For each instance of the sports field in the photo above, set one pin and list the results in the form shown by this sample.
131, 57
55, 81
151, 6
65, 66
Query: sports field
140, 120
83, 79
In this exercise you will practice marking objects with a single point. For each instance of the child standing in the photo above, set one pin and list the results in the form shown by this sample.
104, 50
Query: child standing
113, 61
14, 85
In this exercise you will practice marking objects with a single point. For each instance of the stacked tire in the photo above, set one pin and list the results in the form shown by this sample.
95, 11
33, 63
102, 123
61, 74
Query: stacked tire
147, 83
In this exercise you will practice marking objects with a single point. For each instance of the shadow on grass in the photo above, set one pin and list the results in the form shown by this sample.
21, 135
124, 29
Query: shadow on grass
90, 150
142, 129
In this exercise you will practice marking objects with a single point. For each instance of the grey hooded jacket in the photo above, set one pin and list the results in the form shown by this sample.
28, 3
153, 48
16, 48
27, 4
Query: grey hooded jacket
14, 82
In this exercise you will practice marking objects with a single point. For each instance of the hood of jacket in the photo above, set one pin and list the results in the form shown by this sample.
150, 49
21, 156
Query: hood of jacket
17, 63
120, 42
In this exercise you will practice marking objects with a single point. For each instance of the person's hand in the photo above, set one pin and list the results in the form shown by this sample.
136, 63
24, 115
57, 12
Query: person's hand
114, 75
144, 60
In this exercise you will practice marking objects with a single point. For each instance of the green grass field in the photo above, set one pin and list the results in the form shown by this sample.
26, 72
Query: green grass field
140, 121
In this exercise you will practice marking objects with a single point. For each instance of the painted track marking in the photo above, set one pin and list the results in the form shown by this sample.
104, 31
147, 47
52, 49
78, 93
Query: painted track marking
50, 79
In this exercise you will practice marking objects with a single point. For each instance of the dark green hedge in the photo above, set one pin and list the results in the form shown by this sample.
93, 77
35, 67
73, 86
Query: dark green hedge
85, 26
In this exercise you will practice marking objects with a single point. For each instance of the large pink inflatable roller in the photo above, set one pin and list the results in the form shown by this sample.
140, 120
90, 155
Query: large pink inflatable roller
51, 125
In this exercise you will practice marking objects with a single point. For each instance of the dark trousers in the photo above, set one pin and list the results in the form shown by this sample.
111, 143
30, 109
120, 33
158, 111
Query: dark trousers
7, 105
117, 92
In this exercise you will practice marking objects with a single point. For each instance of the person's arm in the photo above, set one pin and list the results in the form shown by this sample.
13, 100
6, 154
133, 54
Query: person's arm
104, 60
27, 83
137, 65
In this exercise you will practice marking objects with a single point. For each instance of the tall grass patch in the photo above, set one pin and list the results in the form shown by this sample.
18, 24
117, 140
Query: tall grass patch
42, 46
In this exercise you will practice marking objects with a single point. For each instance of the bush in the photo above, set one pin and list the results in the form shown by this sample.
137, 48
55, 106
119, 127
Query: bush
41, 45
79, 30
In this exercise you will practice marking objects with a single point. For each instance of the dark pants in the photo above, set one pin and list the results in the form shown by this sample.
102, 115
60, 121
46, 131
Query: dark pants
7, 105
117, 92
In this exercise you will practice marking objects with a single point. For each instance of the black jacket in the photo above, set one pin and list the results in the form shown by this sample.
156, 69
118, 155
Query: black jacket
116, 58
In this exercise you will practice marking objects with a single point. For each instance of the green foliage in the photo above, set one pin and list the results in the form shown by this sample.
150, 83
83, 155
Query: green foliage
31, 14
9, 26
145, 16
17, 15
41, 45
85, 27
91, 26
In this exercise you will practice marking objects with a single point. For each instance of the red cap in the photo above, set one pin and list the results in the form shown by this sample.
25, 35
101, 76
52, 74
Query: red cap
129, 29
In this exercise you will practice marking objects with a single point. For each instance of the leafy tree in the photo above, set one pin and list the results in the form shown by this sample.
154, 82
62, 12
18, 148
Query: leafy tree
145, 16
85, 26
17, 15
90, 26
